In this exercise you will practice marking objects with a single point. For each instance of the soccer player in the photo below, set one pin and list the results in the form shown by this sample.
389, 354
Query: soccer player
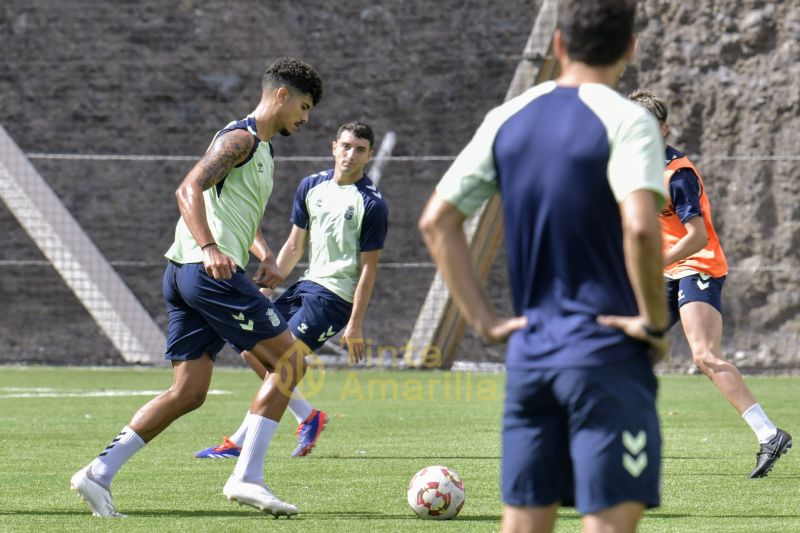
210, 300
695, 269
344, 217
578, 169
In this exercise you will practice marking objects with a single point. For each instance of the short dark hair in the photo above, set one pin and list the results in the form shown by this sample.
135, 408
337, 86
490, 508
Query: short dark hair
297, 75
359, 129
596, 32
657, 106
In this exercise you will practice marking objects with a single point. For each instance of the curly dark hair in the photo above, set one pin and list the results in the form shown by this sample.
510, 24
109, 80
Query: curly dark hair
596, 32
359, 129
296, 74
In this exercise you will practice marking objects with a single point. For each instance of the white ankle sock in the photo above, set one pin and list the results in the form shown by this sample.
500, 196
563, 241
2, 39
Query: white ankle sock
238, 437
759, 423
116, 454
250, 465
299, 406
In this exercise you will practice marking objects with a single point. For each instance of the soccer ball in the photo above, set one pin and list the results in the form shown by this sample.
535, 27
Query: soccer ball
436, 493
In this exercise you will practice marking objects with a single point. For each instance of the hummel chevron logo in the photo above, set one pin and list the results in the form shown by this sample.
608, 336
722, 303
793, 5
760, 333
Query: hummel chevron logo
700, 284
325, 335
247, 326
634, 466
634, 444
681, 295
635, 461
374, 190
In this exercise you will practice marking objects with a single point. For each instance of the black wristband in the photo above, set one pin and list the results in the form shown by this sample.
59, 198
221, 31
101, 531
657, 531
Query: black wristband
653, 332
212, 243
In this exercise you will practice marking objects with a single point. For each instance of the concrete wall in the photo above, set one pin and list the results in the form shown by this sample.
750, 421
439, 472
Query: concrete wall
149, 78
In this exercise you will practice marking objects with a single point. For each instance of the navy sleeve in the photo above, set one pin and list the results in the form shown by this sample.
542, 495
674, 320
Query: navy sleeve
684, 191
241, 125
299, 209
375, 226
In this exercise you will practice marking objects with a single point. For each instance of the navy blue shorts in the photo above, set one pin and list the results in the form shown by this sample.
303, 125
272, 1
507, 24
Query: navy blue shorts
694, 288
314, 313
203, 312
584, 437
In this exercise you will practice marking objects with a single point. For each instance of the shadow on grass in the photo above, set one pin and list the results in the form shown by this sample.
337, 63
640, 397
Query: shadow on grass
373, 516
692, 458
249, 513
702, 515
409, 457
360, 515
138, 514
735, 475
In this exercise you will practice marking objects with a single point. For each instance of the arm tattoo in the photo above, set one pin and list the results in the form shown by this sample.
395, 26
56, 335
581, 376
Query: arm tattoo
224, 153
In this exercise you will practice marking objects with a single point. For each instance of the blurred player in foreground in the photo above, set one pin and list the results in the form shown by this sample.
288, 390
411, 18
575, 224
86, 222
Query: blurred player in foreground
695, 269
210, 300
344, 218
579, 171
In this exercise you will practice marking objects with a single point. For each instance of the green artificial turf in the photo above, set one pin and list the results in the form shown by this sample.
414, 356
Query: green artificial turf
384, 427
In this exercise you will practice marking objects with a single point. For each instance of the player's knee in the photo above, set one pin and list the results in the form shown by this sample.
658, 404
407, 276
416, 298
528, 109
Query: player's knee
706, 359
190, 398
290, 366
298, 364
302, 369
195, 400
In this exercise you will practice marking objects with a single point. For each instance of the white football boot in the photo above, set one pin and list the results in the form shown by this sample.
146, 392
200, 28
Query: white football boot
257, 496
94, 494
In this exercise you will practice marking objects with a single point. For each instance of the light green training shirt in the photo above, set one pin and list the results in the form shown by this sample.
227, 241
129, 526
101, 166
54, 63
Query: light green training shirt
234, 207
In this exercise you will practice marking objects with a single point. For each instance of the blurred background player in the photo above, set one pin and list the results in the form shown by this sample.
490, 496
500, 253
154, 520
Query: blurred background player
344, 218
210, 300
695, 269
578, 168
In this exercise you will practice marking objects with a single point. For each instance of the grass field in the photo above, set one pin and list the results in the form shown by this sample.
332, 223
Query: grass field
383, 428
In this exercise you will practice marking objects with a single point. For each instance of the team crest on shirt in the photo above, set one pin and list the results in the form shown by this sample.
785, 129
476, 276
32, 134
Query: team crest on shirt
261, 167
273, 318
348, 214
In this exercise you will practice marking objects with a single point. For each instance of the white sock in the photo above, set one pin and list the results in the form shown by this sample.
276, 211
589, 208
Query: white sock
759, 423
116, 454
299, 406
250, 465
238, 437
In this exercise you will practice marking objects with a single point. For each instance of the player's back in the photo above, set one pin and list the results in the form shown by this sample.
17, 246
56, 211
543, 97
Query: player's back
557, 158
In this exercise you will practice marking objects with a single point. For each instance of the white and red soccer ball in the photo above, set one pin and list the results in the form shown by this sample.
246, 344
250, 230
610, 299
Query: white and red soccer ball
436, 493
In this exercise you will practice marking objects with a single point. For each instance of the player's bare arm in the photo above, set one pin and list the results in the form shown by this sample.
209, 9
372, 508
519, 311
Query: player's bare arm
695, 240
289, 255
353, 336
292, 250
442, 227
267, 276
225, 152
642, 243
